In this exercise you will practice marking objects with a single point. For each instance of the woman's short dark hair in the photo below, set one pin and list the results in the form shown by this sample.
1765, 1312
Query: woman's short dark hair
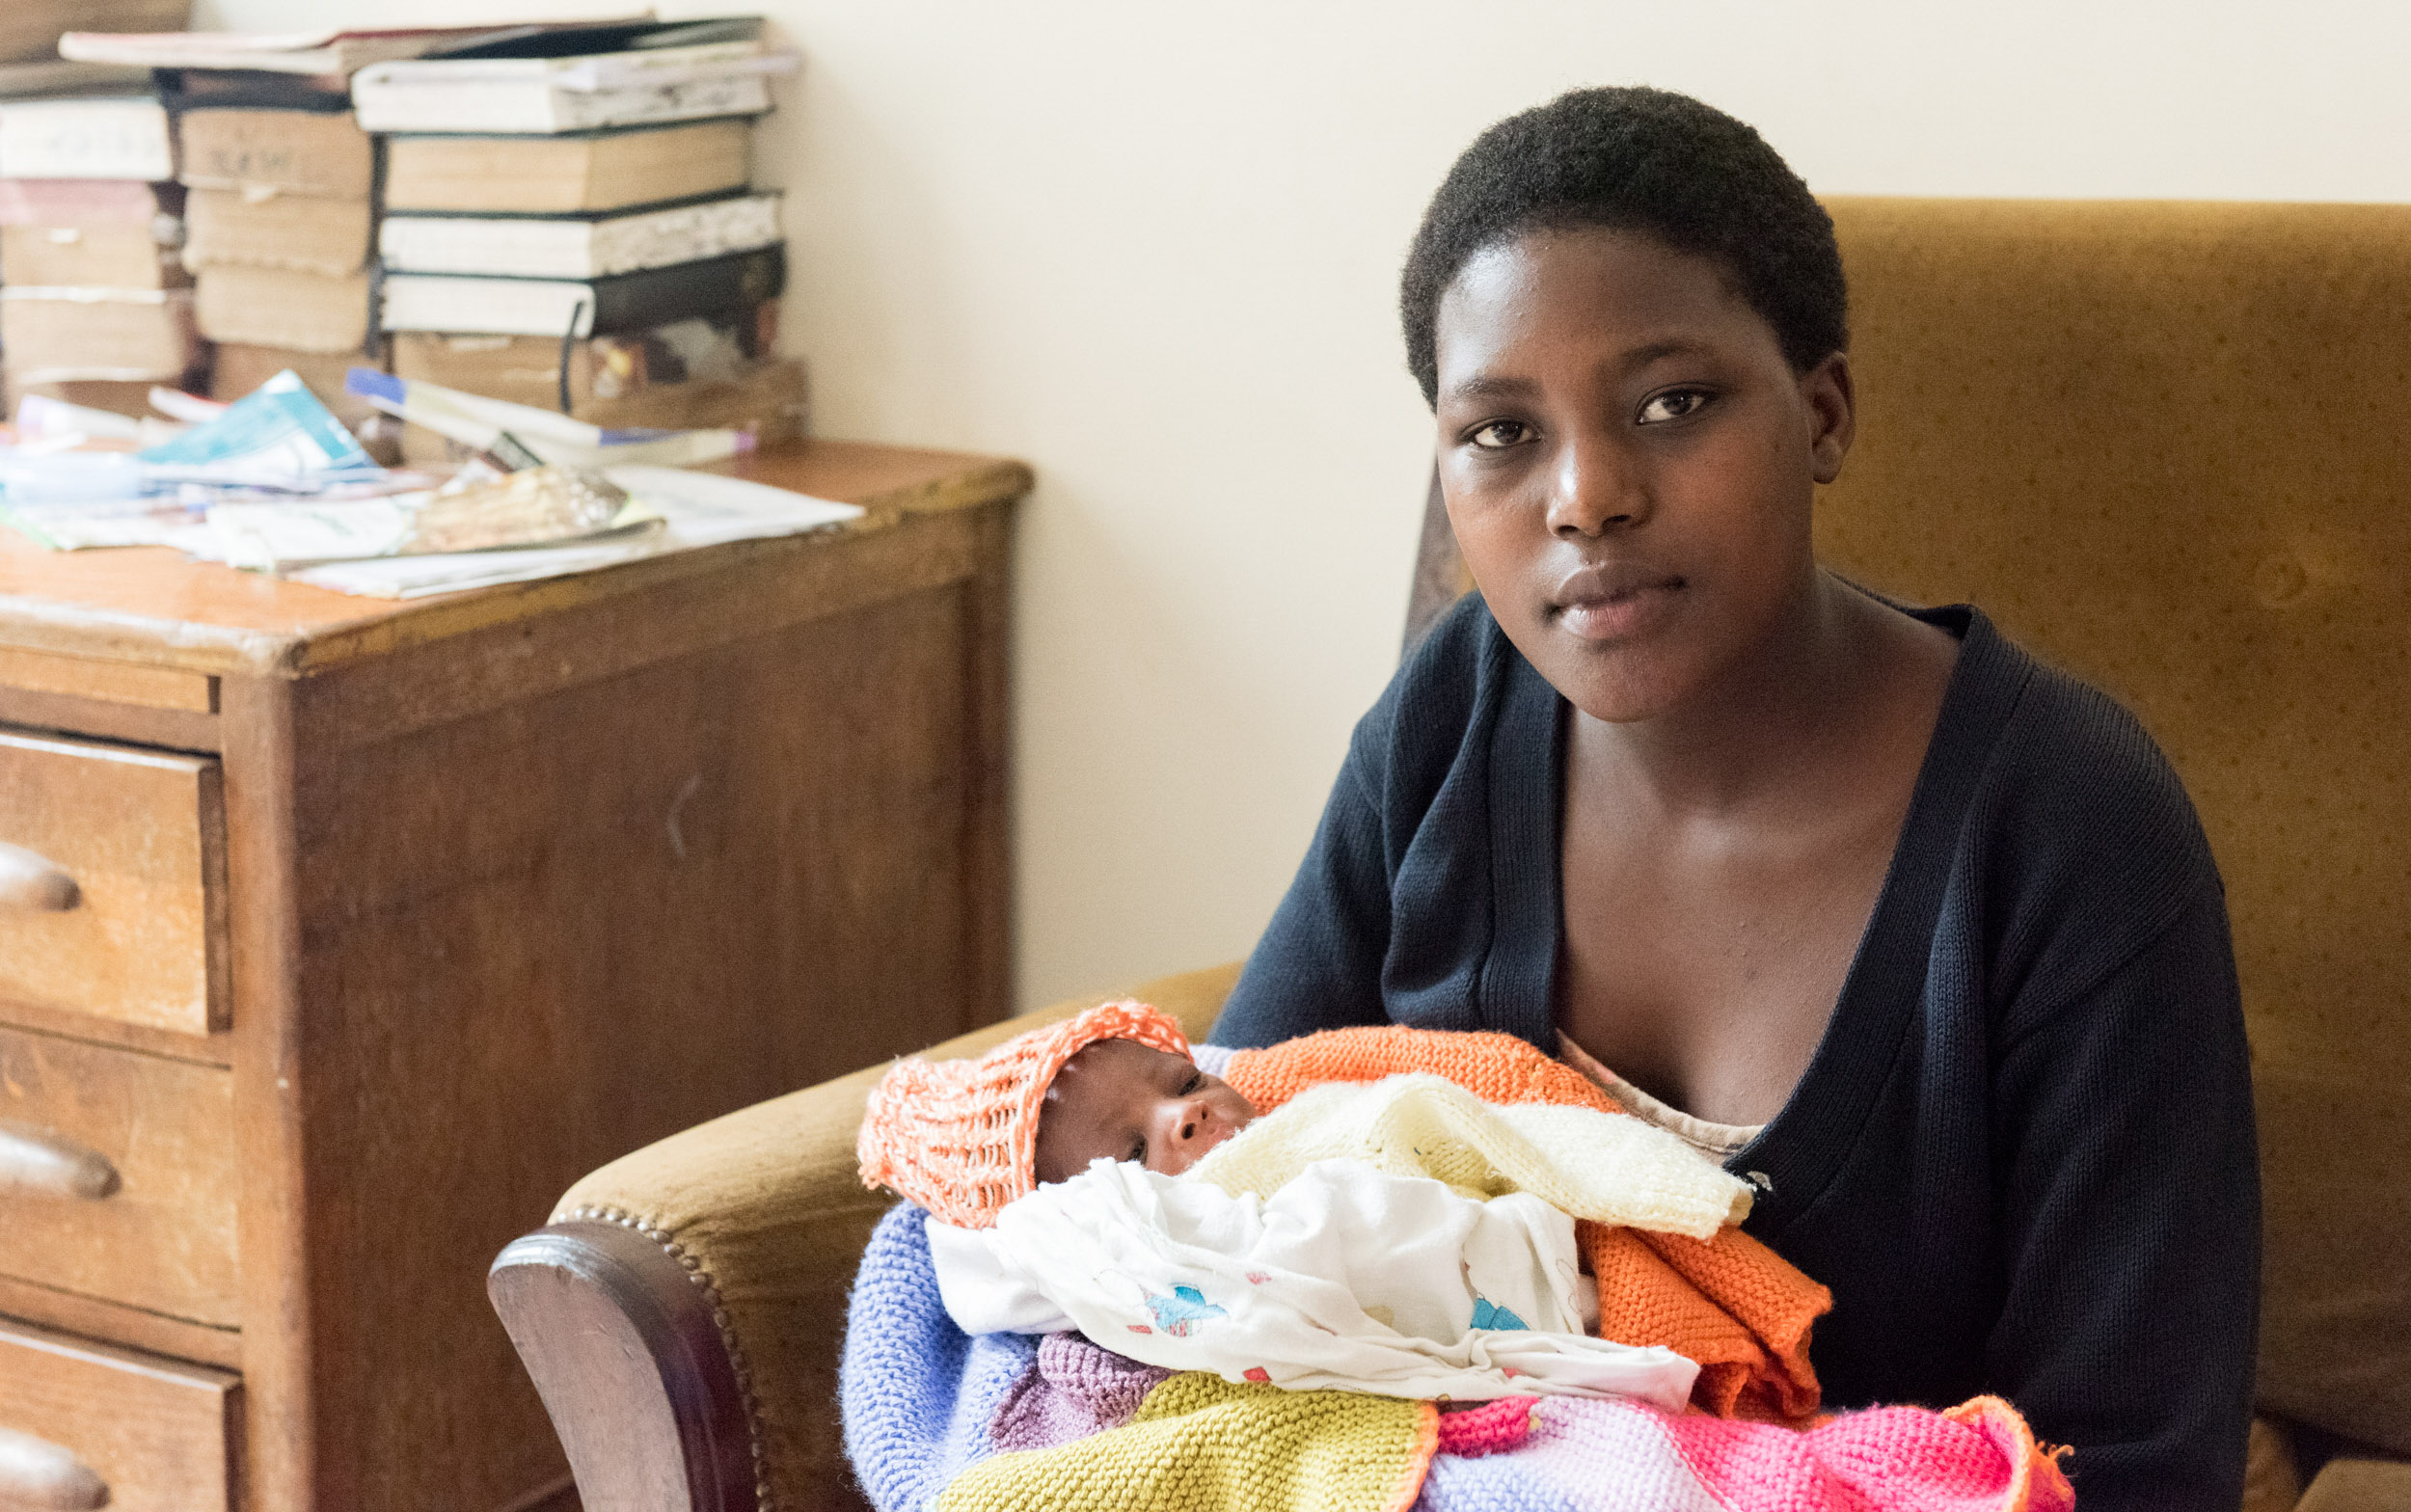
1642, 160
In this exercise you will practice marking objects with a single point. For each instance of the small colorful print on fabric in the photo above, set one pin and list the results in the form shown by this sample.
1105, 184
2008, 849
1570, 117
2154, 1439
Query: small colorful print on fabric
1489, 1314
1180, 1311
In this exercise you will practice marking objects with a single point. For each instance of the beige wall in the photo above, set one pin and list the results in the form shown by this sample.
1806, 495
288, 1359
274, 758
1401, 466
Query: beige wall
1150, 248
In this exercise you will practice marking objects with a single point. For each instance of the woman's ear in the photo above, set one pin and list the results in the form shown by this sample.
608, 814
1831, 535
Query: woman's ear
1832, 408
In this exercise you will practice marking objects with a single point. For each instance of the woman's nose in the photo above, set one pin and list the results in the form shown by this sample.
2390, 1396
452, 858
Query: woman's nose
1594, 489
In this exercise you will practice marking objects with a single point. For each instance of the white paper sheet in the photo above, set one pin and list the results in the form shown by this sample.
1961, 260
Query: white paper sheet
698, 508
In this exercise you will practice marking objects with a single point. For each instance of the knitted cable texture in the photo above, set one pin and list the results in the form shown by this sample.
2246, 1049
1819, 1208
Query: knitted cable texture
1729, 1303
1200, 1444
959, 1138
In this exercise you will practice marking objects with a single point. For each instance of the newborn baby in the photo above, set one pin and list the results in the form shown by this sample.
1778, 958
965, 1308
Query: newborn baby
1122, 1099
1381, 1237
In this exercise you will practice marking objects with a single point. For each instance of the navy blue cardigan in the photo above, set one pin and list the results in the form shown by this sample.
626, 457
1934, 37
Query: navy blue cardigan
2022, 1156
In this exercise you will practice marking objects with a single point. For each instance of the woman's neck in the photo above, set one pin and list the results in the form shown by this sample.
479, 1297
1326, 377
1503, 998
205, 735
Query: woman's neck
1790, 726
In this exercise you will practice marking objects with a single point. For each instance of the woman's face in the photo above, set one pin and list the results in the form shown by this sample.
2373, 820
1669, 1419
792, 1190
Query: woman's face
1629, 463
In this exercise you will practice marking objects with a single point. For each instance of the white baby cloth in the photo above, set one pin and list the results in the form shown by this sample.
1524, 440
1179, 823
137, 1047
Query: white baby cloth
1607, 1166
1348, 1277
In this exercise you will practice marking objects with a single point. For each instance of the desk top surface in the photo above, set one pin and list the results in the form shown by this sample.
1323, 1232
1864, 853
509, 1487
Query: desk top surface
155, 605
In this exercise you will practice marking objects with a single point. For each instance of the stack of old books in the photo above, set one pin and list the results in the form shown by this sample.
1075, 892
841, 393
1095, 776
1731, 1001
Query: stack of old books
94, 306
570, 223
279, 184
278, 225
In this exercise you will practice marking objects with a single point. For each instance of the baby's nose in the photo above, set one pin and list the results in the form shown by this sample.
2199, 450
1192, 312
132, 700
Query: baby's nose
1193, 1125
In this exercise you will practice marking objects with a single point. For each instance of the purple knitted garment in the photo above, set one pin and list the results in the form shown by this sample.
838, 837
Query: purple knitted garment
1077, 1389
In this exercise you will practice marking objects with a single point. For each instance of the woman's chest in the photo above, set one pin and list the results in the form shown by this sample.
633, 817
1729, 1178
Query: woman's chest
1704, 965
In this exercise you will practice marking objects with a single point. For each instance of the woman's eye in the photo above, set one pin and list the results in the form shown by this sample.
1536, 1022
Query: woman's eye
1498, 434
1672, 405
1196, 1080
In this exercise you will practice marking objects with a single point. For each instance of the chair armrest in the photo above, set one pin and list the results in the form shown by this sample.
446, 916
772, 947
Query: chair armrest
682, 1314
2350, 1485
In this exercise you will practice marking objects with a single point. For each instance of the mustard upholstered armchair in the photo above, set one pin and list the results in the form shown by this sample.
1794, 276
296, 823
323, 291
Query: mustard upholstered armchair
2162, 444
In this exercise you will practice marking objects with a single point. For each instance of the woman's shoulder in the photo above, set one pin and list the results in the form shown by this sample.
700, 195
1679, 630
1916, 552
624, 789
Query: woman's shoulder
2085, 828
1440, 675
2067, 753
1447, 690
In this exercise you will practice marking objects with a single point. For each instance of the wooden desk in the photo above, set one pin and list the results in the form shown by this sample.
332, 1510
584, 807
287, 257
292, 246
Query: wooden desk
394, 919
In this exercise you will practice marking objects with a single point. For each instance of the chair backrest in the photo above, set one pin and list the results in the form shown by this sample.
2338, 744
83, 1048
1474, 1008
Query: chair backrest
2168, 447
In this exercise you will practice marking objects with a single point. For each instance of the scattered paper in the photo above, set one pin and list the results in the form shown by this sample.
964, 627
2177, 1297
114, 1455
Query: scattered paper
707, 508
279, 430
417, 576
697, 509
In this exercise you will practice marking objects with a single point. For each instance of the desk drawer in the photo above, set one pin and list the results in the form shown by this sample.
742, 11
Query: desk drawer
117, 1175
84, 1425
108, 858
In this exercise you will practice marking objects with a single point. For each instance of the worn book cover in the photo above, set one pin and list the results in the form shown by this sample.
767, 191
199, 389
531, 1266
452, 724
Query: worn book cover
309, 233
575, 94
125, 336
125, 136
282, 306
578, 308
588, 246
287, 152
93, 201
569, 174
97, 256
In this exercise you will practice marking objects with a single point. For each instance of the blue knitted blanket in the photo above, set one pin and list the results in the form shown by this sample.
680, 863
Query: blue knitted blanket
919, 1395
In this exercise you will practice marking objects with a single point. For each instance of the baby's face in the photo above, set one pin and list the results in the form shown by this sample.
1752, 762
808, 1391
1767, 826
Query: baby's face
1129, 1102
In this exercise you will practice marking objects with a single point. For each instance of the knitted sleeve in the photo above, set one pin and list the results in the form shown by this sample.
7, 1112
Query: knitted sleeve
2131, 1225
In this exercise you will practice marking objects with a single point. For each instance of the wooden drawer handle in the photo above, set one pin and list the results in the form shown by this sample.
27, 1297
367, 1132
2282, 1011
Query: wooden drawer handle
29, 881
35, 1472
45, 1165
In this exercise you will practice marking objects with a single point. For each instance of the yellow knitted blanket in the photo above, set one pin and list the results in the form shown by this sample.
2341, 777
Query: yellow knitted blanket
1599, 1165
1200, 1444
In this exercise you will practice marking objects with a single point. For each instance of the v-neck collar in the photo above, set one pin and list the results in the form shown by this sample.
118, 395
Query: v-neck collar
1799, 1151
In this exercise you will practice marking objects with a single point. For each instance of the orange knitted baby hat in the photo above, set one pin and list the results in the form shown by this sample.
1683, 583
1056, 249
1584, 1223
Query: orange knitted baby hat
959, 1138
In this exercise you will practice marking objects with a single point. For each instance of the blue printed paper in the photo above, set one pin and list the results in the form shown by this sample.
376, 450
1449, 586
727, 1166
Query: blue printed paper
279, 427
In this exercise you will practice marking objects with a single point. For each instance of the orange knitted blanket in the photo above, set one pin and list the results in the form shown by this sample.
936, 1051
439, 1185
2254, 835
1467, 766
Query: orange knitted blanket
1732, 1305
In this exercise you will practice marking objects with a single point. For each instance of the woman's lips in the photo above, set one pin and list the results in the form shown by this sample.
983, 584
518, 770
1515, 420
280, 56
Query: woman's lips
1614, 600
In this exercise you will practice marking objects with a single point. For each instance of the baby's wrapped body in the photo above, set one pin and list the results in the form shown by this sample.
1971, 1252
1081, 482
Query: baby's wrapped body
1398, 1237
1376, 1269
1402, 1237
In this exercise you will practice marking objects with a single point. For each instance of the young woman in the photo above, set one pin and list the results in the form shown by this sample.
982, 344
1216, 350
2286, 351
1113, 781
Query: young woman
1920, 933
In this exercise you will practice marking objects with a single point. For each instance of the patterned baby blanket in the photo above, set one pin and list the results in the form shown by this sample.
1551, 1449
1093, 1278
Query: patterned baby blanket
936, 1420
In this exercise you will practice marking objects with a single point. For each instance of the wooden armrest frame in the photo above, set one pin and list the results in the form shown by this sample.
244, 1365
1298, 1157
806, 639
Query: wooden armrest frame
683, 1314
624, 1342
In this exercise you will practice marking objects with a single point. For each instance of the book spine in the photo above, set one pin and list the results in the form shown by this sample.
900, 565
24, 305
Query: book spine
688, 290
